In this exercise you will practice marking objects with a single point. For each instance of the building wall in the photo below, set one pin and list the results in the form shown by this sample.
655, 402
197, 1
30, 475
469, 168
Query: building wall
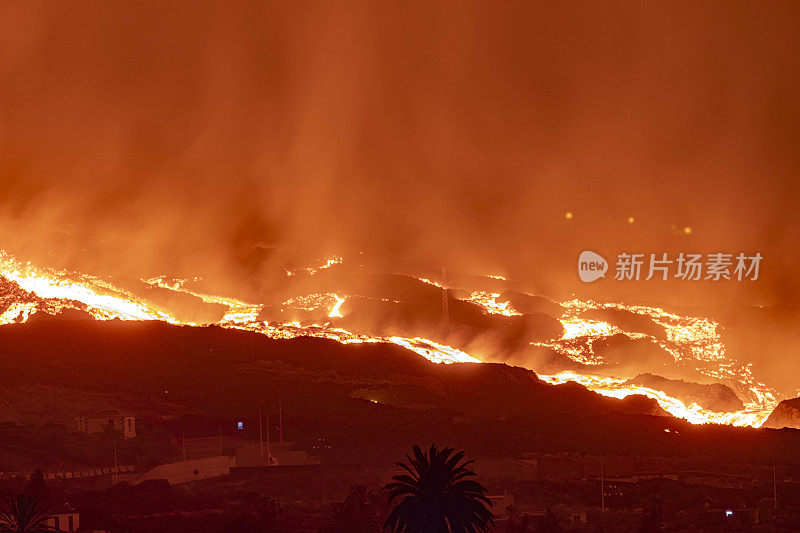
126, 425
129, 427
61, 522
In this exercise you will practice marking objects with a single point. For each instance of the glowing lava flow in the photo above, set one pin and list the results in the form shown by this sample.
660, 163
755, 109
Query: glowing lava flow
102, 301
17, 312
618, 388
335, 310
238, 311
336, 260
691, 340
431, 282
433, 351
488, 300
316, 301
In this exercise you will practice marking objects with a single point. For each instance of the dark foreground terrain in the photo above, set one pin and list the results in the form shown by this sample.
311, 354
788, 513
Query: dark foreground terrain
357, 409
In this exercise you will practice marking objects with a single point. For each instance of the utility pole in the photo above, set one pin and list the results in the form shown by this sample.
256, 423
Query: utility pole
267, 438
602, 486
260, 434
280, 421
774, 485
321, 472
183, 446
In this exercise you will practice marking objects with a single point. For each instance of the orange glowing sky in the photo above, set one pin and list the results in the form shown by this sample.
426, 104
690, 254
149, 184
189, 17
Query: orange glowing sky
137, 135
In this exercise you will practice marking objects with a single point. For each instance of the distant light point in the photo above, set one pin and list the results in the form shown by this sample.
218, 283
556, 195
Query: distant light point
569, 215
631, 220
687, 230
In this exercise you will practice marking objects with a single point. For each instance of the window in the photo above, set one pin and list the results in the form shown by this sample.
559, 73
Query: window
71, 526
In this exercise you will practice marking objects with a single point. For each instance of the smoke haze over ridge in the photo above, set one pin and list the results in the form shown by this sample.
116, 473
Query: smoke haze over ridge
180, 134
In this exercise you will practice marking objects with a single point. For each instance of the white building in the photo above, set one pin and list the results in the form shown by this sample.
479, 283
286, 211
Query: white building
67, 520
109, 418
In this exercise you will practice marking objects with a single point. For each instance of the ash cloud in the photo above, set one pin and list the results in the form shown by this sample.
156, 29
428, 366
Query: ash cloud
140, 137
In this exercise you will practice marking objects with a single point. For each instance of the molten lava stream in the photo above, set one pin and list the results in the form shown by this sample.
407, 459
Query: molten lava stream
687, 337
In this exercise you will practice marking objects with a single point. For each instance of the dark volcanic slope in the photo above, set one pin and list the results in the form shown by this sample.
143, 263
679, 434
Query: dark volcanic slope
715, 396
785, 414
632, 356
487, 408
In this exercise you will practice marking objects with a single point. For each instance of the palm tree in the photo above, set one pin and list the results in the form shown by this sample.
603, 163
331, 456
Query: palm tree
436, 495
25, 515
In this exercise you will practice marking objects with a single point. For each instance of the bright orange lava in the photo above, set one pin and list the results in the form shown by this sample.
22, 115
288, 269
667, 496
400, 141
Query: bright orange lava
693, 339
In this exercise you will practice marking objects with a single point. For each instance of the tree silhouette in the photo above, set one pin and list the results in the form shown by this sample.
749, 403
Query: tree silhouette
37, 487
548, 523
25, 515
651, 521
436, 495
359, 511
515, 521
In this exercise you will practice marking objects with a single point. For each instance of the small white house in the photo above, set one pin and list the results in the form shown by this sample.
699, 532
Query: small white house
67, 520
98, 422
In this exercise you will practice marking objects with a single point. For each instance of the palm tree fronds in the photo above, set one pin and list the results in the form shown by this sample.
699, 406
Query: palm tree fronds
437, 495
